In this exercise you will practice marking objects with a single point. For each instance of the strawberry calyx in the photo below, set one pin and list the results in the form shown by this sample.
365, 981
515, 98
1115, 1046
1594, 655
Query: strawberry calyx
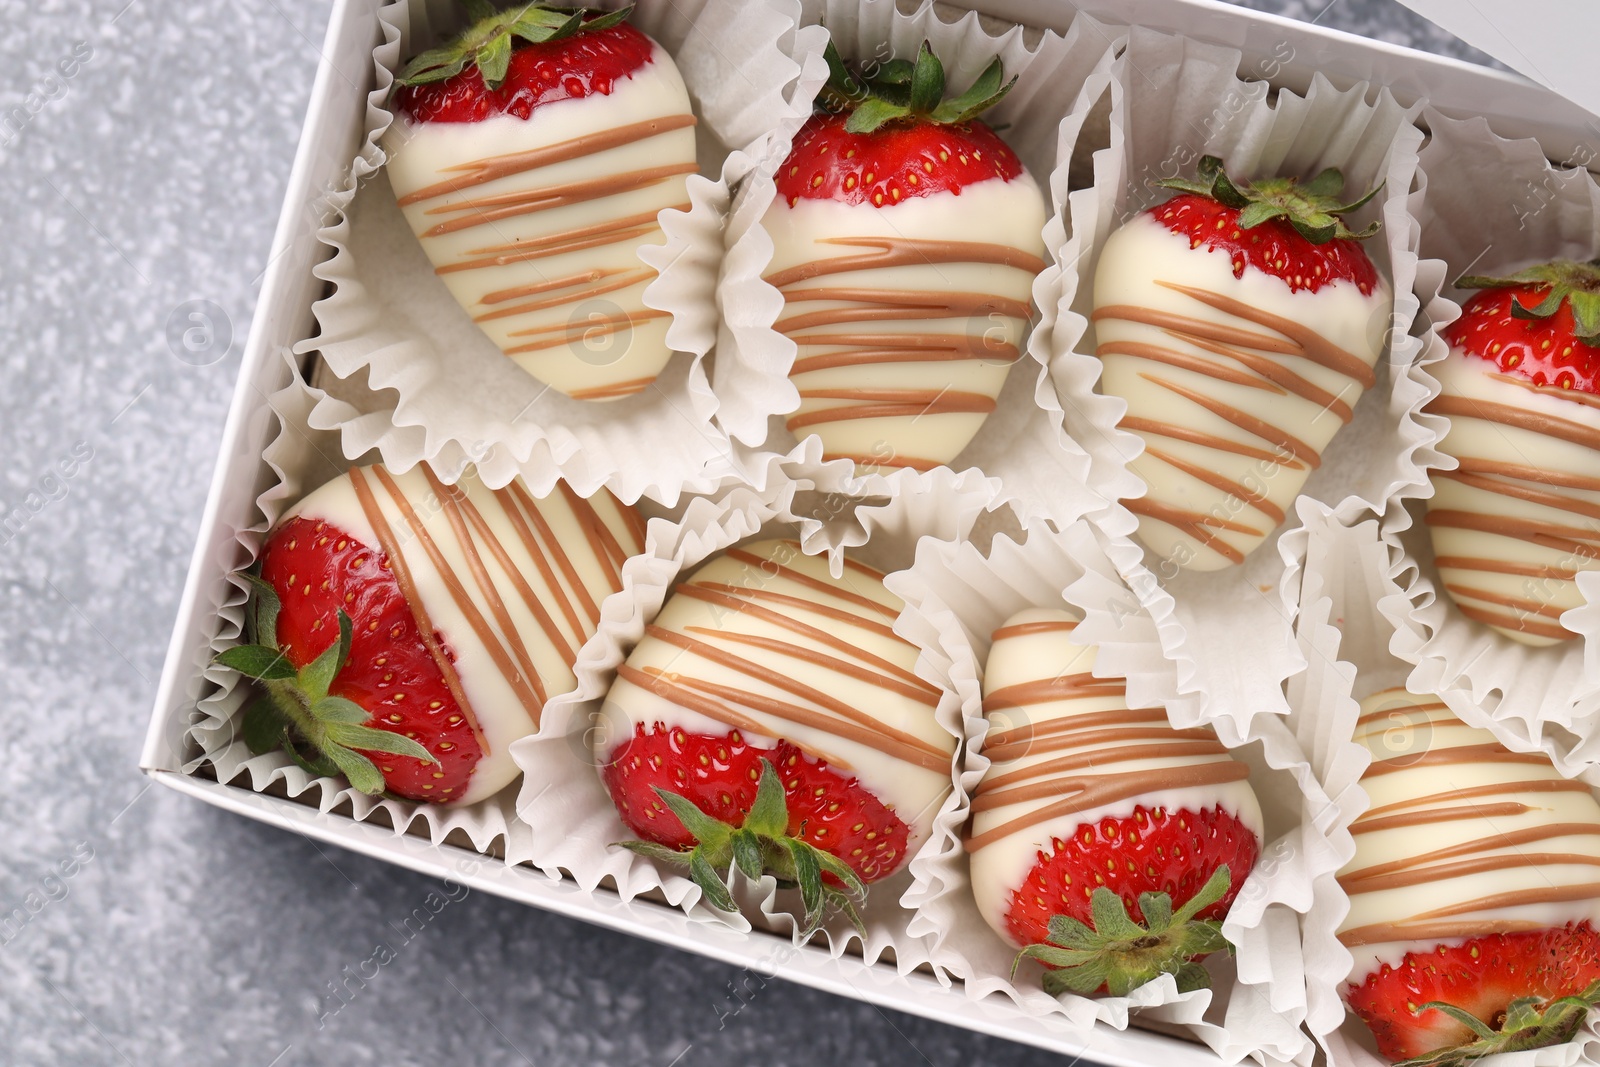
1563, 282
1117, 954
1529, 1023
907, 90
761, 845
1312, 208
320, 732
488, 42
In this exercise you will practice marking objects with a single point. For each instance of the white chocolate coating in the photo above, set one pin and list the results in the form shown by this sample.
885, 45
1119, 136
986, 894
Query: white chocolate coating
555, 278
1463, 837
815, 662
569, 566
1038, 681
1516, 520
1270, 377
926, 321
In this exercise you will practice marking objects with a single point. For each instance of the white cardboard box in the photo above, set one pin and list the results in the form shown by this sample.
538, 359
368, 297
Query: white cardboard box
1281, 50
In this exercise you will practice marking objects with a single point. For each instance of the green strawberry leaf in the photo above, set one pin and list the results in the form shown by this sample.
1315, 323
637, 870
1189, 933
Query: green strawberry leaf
371, 740
713, 834
710, 882
769, 812
895, 72
262, 617
318, 765
927, 81
362, 773
494, 60
256, 661
983, 94
339, 709
808, 875
651, 850
873, 113
747, 852
263, 726
317, 676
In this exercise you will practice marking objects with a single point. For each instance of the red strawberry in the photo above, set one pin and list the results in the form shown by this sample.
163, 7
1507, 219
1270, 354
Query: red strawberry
1500, 993
906, 238
405, 632
1240, 322
1542, 323
532, 157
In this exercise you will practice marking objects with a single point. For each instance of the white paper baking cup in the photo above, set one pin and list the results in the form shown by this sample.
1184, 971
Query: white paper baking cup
957, 595
572, 821
302, 459
389, 315
1021, 443
1172, 101
1352, 596
1492, 205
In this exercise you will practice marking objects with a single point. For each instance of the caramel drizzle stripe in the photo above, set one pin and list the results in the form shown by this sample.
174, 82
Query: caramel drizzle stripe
992, 791
1423, 927
494, 209
513, 507
1538, 785
1201, 526
1546, 534
1040, 744
888, 305
808, 655
717, 596
1435, 705
958, 349
1521, 491
602, 544
1520, 605
491, 641
1494, 468
1428, 867
519, 582
1222, 483
1307, 343
1092, 720
698, 696
524, 678
408, 589
1487, 753
798, 603
1195, 437
1435, 815
1500, 566
1095, 791
623, 279
563, 560
1061, 687
903, 252
1518, 418
613, 391
560, 244
1258, 428
569, 332
1274, 371
875, 462
1173, 358
1029, 629
947, 402
1576, 395
1503, 621
481, 171
773, 568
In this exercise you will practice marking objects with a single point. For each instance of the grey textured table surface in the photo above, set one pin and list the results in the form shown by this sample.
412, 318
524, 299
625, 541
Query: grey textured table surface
155, 929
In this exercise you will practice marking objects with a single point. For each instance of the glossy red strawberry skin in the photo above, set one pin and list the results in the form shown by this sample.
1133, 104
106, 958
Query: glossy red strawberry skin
586, 64
1272, 247
1481, 976
898, 161
1546, 351
719, 773
317, 570
1153, 850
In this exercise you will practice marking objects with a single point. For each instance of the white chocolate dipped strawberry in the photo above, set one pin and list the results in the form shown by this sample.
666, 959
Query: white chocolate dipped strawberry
1241, 323
1091, 812
1519, 516
771, 715
906, 237
1475, 885
531, 157
406, 632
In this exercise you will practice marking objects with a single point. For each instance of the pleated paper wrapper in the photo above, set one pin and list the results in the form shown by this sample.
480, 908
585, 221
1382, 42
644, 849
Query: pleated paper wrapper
1492, 205
1021, 444
390, 321
958, 595
1354, 591
1173, 100
572, 823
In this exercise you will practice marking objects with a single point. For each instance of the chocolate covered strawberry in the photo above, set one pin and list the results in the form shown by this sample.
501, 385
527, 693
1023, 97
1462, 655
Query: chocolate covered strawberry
771, 719
405, 632
532, 155
1474, 891
1104, 843
1515, 521
906, 236
1240, 322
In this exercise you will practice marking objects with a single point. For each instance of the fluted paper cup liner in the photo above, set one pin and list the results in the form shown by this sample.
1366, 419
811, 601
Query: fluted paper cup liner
957, 595
391, 317
1493, 205
1021, 443
1353, 594
573, 822
298, 460
1173, 101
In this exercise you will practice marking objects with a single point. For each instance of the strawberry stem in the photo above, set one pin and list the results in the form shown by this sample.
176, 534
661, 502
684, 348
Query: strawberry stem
901, 90
1577, 285
1529, 1024
762, 845
1312, 207
488, 42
